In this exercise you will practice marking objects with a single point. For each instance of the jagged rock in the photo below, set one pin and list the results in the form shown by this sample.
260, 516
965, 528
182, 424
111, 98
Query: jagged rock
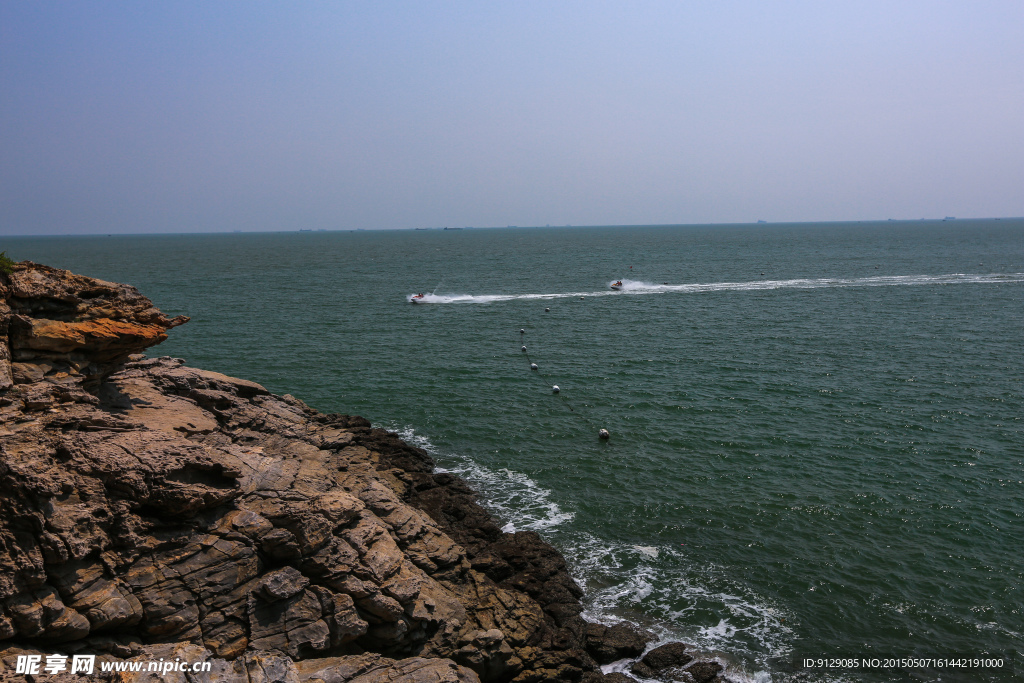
614, 677
27, 373
487, 653
377, 669
280, 584
55, 323
704, 672
607, 644
667, 656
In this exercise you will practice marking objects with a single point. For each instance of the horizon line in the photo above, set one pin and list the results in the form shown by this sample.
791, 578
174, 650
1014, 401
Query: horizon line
758, 222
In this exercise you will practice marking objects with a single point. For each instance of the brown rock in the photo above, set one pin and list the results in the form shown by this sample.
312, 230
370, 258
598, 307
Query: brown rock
614, 677
607, 644
704, 672
55, 322
281, 584
27, 373
667, 656
105, 339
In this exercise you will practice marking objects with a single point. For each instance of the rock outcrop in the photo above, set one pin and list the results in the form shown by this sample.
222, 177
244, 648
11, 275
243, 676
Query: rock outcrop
156, 511
55, 324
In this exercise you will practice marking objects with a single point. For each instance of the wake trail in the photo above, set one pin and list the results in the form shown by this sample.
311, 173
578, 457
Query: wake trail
639, 287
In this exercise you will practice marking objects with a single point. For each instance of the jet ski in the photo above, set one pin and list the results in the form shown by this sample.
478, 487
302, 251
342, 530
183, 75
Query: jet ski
417, 298
617, 285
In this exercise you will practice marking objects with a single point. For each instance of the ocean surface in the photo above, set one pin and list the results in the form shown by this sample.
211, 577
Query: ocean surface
817, 430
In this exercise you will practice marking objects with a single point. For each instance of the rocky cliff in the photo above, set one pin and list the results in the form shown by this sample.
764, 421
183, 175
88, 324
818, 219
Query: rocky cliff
154, 511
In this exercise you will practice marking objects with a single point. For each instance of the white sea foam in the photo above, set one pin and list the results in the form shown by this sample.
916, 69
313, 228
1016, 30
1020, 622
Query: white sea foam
641, 287
621, 578
676, 596
513, 497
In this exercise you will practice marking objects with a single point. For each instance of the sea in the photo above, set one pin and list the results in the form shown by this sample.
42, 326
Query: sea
817, 429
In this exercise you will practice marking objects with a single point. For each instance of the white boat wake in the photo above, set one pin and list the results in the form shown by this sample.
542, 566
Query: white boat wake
640, 287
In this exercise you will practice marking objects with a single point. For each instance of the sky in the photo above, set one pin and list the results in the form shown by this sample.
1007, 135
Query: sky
210, 116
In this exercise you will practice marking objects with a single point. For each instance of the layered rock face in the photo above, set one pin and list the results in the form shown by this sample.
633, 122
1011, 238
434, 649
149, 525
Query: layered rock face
152, 510
55, 324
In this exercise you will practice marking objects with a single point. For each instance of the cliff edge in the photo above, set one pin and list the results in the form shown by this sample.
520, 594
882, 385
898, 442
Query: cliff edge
153, 511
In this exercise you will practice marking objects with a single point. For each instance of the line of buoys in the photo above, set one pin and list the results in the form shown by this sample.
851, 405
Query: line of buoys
603, 434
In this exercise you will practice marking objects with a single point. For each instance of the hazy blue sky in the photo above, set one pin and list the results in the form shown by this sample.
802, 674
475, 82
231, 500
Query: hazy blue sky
211, 116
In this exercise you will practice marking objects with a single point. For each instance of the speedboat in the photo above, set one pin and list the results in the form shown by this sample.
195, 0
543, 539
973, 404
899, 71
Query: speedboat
617, 284
417, 298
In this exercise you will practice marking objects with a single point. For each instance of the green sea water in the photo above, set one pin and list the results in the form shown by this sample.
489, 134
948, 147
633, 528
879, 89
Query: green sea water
817, 430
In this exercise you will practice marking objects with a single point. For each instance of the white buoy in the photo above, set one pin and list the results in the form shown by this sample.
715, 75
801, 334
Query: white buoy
533, 366
522, 331
604, 434
524, 348
547, 310
555, 389
581, 298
